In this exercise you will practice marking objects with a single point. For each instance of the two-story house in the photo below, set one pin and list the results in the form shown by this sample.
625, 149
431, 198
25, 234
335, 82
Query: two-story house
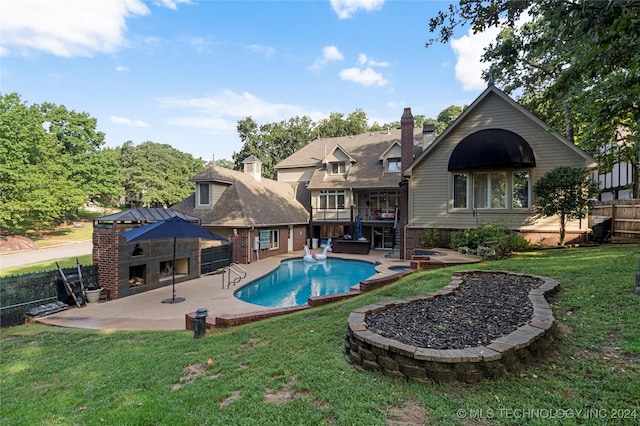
352, 186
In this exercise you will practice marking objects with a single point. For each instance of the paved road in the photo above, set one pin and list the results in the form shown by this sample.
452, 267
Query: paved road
27, 257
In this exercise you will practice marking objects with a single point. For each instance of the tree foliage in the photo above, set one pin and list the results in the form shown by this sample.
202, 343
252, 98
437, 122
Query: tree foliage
575, 63
336, 125
51, 163
156, 175
272, 142
566, 192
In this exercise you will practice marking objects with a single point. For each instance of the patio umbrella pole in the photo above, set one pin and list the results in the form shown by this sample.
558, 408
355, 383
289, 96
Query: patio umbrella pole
174, 299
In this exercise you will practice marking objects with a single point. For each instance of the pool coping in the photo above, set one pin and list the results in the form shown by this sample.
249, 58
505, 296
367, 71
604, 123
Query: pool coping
384, 276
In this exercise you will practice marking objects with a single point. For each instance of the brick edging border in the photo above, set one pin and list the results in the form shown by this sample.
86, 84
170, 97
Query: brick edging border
507, 354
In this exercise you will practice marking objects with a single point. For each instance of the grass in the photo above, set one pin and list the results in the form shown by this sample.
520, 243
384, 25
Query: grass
63, 234
291, 370
67, 233
69, 262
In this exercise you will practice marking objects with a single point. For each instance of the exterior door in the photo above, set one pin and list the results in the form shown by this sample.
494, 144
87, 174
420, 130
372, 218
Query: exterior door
290, 239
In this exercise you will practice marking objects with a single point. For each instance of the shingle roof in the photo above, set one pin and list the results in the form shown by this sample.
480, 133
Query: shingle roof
366, 149
246, 202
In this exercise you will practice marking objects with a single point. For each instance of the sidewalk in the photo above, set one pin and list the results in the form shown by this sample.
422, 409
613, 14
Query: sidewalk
145, 311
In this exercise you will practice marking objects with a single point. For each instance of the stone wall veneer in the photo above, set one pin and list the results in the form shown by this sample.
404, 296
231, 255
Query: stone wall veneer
504, 355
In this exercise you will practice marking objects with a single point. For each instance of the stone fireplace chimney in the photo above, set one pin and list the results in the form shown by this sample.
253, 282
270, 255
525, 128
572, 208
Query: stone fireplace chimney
406, 139
428, 135
253, 167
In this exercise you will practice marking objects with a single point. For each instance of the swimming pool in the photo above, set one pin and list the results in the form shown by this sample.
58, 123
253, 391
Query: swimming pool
294, 281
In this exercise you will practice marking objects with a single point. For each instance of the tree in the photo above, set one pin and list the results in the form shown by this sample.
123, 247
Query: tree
156, 175
336, 125
272, 142
567, 192
449, 114
79, 150
51, 163
223, 162
575, 62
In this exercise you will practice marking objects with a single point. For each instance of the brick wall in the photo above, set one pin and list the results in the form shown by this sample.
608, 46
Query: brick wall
105, 255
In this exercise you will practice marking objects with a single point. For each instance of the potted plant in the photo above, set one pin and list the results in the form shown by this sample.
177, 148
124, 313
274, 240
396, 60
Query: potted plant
92, 291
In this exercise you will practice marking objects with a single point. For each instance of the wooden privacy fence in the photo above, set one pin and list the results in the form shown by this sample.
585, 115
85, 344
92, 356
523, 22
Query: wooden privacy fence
624, 214
19, 293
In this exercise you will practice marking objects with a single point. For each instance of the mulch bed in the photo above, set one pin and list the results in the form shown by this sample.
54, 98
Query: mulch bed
487, 305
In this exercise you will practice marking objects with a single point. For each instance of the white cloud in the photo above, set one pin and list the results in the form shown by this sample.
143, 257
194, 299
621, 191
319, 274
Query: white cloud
329, 53
365, 60
366, 77
65, 28
221, 112
346, 8
267, 51
171, 4
127, 121
469, 50
122, 68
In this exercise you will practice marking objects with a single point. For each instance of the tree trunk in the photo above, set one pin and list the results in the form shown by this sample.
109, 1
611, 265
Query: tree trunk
563, 223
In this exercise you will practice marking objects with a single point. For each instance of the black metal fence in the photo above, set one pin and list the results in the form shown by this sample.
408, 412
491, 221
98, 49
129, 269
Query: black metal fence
19, 293
214, 258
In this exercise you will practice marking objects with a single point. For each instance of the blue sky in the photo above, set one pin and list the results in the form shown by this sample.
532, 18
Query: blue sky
184, 72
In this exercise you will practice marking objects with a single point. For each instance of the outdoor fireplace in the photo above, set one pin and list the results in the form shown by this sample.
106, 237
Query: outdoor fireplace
137, 275
181, 268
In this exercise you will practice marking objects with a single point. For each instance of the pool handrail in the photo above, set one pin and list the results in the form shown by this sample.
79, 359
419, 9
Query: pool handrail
238, 270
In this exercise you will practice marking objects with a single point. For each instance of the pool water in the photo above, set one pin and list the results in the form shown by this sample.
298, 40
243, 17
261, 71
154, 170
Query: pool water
400, 268
295, 281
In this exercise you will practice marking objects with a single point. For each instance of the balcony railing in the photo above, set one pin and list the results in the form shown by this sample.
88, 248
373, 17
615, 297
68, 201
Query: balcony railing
349, 214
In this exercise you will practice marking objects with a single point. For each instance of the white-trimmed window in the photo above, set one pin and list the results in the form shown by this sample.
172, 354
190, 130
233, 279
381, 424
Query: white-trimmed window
338, 168
393, 165
460, 190
521, 194
332, 199
274, 240
204, 194
490, 190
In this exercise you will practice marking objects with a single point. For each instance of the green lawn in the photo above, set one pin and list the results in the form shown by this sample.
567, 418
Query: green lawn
291, 370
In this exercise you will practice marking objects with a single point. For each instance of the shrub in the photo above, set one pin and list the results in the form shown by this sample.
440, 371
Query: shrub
430, 238
491, 241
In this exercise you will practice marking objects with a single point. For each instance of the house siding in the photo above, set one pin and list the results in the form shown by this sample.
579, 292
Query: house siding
296, 174
430, 184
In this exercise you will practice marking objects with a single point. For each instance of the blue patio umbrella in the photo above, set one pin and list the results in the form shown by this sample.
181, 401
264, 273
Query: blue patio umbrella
358, 227
175, 228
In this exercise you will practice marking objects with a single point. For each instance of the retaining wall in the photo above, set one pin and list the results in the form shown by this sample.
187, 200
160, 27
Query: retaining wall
503, 356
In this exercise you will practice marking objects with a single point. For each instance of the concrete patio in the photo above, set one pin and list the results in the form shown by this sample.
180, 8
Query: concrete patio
145, 311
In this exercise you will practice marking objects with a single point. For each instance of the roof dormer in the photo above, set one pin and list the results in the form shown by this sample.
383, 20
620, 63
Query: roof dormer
391, 158
338, 161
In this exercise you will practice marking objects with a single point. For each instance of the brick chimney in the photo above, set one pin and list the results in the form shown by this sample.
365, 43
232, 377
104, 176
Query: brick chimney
406, 139
406, 158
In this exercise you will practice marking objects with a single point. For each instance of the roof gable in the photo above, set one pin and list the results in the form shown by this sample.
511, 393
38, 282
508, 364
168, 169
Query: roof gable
338, 154
492, 91
394, 151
